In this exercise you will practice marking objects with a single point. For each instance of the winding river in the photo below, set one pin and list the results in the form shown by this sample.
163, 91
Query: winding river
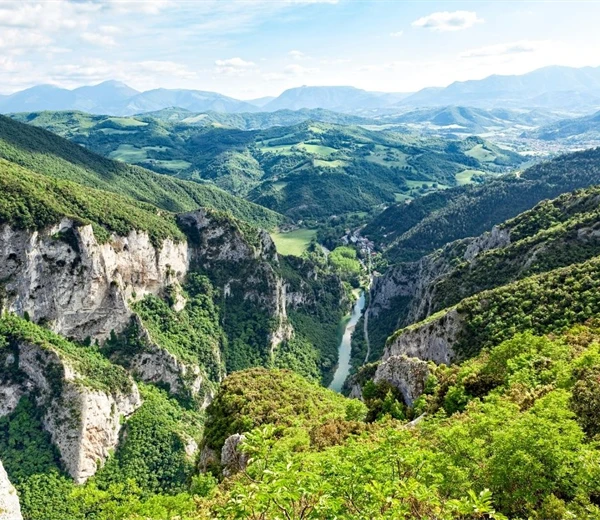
343, 367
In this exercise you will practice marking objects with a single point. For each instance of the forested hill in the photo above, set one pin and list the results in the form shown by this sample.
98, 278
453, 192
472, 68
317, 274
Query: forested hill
308, 170
48, 154
406, 232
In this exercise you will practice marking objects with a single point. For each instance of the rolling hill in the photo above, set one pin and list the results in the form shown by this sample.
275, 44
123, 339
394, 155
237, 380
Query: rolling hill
580, 129
471, 120
48, 154
309, 170
406, 232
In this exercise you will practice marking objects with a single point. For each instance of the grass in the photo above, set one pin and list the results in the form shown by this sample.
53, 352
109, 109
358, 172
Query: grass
481, 154
330, 164
174, 165
294, 242
401, 197
466, 176
128, 153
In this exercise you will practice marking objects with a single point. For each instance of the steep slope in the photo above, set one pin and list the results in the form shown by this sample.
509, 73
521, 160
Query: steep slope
10, 508
310, 170
406, 232
45, 153
554, 234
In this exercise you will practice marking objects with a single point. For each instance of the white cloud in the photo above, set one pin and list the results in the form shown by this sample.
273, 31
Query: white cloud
298, 70
19, 40
446, 21
396, 34
136, 6
109, 29
48, 16
297, 55
293, 71
504, 49
101, 40
234, 66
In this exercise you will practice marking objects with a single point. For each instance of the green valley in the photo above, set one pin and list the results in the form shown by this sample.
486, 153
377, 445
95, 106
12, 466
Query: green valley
311, 170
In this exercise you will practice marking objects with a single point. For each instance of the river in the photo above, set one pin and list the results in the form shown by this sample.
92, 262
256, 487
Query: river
343, 367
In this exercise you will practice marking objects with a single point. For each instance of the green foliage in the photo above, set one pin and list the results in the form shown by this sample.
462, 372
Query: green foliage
32, 201
87, 361
410, 231
309, 170
152, 453
254, 397
344, 261
46, 154
313, 351
193, 334
25, 447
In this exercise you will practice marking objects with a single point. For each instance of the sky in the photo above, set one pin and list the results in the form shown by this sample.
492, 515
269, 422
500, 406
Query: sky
253, 48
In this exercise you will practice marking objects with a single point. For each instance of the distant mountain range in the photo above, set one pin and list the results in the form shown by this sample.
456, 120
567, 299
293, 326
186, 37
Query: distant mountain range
461, 119
552, 88
549, 87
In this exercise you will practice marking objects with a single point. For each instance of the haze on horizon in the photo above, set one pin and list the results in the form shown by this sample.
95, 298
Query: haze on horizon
252, 48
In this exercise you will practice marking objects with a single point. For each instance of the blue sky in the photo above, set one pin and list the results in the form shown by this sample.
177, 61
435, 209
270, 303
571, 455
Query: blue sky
253, 48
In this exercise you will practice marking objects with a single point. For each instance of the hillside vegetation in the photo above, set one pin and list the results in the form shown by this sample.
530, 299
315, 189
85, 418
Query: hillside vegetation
406, 232
47, 154
309, 170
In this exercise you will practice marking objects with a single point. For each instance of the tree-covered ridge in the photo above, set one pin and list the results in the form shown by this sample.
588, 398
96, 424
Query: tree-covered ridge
409, 231
307, 170
554, 234
47, 154
93, 369
544, 303
255, 397
509, 434
32, 201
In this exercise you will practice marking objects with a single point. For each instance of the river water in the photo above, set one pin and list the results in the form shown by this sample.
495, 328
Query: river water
343, 367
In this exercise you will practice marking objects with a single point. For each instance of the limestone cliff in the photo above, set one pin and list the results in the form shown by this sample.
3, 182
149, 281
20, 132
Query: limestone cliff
63, 277
82, 415
10, 508
407, 374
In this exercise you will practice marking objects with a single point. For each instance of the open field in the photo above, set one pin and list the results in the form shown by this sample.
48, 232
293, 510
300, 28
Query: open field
294, 242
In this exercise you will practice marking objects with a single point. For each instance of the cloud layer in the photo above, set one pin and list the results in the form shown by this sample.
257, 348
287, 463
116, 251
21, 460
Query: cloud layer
446, 21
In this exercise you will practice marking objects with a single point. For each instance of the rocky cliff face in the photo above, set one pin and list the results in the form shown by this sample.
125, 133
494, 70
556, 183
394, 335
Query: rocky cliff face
82, 418
407, 374
245, 261
65, 279
9, 501
80, 288
413, 285
432, 340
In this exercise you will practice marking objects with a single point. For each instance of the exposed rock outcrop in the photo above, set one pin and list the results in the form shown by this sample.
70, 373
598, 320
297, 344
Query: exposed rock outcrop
429, 341
250, 258
498, 237
232, 459
83, 420
406, 374
10, 508
79, 287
